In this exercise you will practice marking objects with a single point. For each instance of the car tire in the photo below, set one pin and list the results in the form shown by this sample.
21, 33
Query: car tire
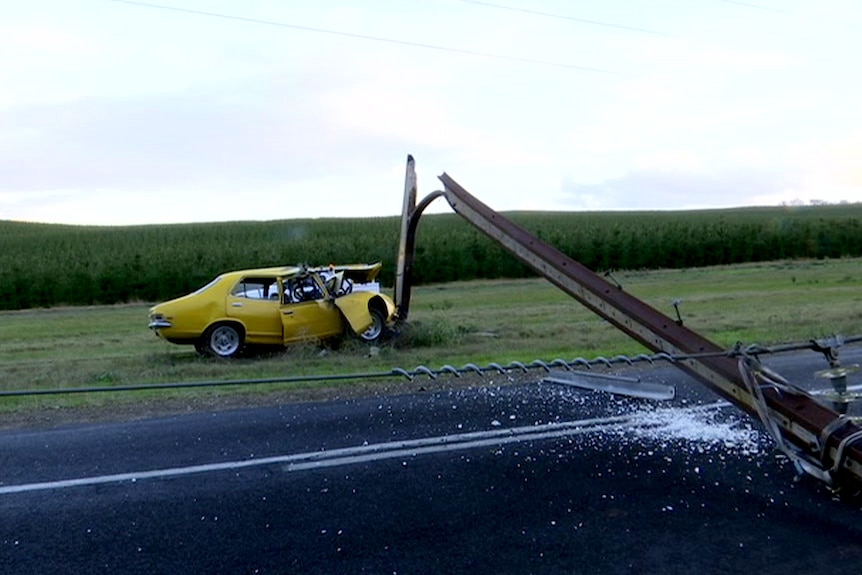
223, 340
376, 331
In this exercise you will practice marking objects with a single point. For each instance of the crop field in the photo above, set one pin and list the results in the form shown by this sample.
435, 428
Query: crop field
454, 323
44, 265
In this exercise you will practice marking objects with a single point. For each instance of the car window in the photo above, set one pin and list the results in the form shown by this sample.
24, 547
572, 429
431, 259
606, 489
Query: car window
256, 288
302, 288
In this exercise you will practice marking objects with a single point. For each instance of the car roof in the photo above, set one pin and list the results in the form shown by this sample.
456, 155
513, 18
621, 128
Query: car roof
282, 271
368, 270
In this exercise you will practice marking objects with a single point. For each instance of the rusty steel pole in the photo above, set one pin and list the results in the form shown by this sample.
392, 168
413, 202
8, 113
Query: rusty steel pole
829, 445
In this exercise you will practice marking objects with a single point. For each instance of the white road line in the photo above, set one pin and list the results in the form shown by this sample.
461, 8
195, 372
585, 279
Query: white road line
367, 453
414, 451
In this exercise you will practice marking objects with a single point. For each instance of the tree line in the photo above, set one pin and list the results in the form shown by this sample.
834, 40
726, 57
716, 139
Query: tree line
45, 265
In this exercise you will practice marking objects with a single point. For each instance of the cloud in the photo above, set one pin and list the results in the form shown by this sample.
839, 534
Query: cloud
173, 140
124, 114
680, 190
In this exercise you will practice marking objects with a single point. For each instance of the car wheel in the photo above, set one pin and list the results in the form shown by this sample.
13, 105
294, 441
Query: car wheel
377, 328
223, 340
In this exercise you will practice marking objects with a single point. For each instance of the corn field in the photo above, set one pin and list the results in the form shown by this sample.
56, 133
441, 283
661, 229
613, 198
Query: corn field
45, 265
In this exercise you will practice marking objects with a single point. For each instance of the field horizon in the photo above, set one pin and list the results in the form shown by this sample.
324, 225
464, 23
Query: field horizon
508, 213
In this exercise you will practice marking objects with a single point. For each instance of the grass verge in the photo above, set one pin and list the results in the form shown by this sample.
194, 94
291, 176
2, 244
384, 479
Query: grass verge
467, 322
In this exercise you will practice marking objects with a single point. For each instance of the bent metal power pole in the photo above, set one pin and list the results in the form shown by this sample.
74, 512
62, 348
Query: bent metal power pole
819, 441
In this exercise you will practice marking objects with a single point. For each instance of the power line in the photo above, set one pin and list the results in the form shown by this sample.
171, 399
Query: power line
366, 37
564, 17
749, 5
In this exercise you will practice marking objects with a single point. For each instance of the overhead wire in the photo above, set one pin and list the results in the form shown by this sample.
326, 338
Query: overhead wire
564, 17
750, 5
366, 37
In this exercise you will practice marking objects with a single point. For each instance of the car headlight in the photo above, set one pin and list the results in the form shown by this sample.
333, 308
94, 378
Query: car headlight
158, 320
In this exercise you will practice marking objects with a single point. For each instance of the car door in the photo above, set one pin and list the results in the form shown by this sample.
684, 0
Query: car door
254, 301
309, 320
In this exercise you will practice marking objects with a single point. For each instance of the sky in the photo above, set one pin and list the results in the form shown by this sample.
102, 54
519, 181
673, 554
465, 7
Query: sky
176, 111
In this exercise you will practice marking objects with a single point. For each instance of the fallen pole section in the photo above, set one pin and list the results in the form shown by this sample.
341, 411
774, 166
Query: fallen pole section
819, 440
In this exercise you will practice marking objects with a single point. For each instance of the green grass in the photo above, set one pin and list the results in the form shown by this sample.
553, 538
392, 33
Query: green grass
477, 321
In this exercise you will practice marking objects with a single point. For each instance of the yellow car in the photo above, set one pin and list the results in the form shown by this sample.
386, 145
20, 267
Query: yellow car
277, 306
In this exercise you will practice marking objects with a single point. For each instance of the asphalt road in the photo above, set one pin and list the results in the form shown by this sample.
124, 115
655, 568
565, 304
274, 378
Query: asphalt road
527, 478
